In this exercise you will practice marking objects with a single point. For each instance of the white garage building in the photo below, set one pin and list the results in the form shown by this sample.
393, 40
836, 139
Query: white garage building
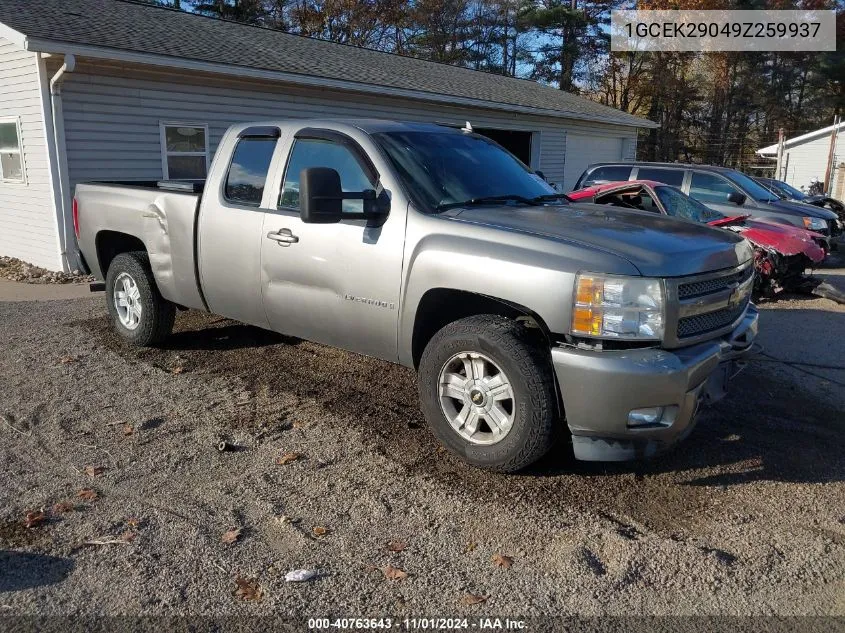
117, 90
808, 156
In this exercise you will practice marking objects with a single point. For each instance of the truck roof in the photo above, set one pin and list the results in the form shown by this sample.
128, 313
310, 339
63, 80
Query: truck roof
370, 126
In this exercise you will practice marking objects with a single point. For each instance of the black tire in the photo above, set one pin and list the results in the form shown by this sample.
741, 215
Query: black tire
157, 313
525, 362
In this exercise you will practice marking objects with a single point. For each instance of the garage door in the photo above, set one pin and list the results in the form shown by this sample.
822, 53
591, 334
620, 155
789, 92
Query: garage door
586, 150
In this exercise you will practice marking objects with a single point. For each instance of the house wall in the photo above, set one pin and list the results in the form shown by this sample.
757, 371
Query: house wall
112, 114
27, 215
808, 160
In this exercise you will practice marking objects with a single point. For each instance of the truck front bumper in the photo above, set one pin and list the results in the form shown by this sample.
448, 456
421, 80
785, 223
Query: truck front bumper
601, 389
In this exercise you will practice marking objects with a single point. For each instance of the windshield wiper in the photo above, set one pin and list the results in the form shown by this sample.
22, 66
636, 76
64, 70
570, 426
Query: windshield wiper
488, 200
552, 196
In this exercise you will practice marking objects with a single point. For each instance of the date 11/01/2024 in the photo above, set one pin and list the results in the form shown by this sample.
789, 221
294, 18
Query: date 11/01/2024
418, 624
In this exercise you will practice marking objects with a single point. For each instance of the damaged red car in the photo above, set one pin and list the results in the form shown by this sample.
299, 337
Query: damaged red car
782, 252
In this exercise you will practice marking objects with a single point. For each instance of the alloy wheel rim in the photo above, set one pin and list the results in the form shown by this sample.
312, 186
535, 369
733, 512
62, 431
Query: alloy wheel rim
127, 301
477, 398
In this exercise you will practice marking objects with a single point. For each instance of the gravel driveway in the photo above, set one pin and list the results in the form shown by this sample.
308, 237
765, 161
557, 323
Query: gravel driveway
746, 517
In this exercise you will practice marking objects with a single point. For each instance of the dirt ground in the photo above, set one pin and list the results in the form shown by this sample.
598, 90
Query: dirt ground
747, 517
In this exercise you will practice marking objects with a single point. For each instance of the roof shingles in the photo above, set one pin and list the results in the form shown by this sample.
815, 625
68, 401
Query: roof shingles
141, 28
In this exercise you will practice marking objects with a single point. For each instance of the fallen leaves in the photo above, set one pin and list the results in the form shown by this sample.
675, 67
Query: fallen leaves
393, 573
65, 360
34, 518
87, 494
62, 507
230, 536
500, 560
396, 546
94, 471
247, 589
128, 536
287, 458
469, 599
319, 530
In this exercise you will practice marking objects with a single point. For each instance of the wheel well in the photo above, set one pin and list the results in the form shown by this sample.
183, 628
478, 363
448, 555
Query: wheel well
441, 306
110, 244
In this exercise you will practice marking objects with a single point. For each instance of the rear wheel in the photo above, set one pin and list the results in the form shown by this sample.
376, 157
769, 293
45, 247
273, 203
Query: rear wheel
488, 394
139, 313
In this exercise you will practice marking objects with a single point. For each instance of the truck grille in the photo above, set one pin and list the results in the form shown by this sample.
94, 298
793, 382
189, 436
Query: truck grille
706, 306
709, 286
710, 321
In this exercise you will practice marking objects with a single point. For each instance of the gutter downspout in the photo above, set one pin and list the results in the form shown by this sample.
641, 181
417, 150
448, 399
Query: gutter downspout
60, 146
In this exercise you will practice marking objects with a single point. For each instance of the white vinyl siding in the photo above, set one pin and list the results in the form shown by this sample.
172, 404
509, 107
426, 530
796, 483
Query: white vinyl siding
808, 160
113, 114
27, 216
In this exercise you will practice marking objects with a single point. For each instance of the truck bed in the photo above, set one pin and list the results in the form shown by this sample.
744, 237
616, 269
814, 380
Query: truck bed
162, 214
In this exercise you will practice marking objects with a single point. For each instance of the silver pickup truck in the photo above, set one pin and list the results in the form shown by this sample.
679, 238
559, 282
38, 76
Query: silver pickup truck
435, 248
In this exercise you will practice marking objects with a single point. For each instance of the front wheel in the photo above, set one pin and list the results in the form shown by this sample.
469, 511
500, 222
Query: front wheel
488, 394
139, 313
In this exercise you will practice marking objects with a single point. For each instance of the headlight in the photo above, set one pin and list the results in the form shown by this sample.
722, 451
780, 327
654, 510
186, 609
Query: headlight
814, 224
618, 307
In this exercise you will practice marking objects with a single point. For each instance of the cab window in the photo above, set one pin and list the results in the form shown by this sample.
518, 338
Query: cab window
710, 188
322, 153
248, 170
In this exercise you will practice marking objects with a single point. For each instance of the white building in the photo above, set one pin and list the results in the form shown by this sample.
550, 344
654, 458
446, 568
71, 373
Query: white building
118, 90
806, 157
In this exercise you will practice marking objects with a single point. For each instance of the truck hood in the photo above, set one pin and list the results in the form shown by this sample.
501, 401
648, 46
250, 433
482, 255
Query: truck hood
658, 246
800, 209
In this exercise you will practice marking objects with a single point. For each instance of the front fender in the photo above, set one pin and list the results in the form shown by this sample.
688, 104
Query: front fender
525, 270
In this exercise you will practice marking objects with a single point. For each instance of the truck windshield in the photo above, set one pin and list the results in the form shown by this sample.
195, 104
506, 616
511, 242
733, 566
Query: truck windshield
792, 192
750, 188
444, 169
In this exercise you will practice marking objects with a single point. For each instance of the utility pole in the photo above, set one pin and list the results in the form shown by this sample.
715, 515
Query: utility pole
779, 168
831, 153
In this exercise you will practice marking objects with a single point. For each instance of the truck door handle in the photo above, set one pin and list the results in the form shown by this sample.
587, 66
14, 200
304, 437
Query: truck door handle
284, 237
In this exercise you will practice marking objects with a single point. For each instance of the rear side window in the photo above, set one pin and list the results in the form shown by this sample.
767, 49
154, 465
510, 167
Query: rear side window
674, 177
609, 173
248, 171
710, 188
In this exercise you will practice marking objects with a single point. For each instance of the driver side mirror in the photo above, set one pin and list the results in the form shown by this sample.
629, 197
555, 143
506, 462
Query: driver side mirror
736, 197
321, 198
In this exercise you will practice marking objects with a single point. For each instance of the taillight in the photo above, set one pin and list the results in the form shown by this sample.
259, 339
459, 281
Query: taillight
76, 218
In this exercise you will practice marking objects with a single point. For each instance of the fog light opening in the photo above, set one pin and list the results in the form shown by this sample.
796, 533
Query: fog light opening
652, 417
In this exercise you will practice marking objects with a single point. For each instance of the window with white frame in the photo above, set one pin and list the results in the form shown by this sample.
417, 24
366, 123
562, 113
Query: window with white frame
184, 151
11, 157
